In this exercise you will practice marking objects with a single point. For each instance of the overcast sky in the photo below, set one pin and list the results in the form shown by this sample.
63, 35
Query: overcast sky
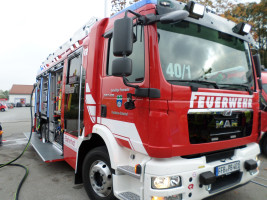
32, 29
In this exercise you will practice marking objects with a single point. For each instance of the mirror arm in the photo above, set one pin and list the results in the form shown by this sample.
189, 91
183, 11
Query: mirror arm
134, 13
151, 19
145, 20
127, 84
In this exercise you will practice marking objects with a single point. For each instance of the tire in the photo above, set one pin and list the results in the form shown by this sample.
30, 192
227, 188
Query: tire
3, 110
264, 145
97, 174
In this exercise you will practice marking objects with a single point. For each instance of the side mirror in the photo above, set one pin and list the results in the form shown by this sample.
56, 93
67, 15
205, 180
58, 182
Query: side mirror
123, 37
260, 83
122, 67
257, 63
174, 16
263, 103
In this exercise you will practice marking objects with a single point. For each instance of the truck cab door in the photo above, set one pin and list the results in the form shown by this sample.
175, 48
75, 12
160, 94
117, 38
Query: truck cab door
73, 105
129, 127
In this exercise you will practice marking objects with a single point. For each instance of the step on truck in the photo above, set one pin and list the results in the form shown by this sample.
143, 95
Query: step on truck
158, 102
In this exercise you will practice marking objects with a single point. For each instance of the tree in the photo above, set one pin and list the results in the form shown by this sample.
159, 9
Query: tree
4, 94
118, 5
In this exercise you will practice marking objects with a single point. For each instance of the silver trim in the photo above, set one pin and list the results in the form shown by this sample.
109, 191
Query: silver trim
224, 133
57, 146
80, 96
213, 110
129, 171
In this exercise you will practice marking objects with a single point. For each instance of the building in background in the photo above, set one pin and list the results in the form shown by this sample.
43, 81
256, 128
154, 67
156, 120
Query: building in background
20, 94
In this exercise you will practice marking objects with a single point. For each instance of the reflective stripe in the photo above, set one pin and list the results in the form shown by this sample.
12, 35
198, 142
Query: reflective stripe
125, 131
89, 99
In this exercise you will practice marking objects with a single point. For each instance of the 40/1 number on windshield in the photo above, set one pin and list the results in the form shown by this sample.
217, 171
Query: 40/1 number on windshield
179, 71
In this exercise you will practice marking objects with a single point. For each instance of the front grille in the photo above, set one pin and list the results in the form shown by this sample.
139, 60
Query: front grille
212, 125
226, 181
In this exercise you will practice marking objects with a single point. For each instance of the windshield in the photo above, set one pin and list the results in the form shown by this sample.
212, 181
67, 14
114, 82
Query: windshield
190, 51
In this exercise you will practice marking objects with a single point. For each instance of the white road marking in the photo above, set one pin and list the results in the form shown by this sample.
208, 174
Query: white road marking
15, 142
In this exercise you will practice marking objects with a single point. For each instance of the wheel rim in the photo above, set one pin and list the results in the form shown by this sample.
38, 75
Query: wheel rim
100, 178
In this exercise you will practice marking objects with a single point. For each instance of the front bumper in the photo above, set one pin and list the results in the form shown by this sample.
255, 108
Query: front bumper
190, 169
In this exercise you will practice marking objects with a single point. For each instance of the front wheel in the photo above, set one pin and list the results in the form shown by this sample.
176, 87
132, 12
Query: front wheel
3, 110
97, 175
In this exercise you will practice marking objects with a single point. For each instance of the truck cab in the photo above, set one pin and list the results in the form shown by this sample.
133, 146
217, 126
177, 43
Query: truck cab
263, 141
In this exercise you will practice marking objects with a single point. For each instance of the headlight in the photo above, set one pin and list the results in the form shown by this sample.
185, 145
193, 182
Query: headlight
164, 182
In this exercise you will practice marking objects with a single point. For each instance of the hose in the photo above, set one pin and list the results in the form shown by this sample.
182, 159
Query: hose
10, 163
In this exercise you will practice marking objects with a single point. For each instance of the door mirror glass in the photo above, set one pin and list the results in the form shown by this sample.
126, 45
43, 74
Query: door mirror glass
123, 37
257, 63
122, 67
260, 83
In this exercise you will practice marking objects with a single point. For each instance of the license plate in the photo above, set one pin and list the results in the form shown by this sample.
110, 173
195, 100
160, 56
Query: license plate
227, 168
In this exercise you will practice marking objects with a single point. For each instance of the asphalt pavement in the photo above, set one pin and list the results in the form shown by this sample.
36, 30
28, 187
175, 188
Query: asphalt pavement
55, 181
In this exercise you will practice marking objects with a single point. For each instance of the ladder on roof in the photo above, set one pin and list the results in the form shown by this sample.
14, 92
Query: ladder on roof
78, 35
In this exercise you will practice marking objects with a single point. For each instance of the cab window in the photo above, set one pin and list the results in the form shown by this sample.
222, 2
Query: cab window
137, 56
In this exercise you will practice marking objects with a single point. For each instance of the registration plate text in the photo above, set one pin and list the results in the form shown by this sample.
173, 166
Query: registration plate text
227, 168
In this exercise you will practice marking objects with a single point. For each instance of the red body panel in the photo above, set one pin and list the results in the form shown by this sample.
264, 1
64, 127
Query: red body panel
263, 113
93, 62
70, 149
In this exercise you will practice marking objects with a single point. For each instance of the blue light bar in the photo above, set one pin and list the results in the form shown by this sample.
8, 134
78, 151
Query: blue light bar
135, 6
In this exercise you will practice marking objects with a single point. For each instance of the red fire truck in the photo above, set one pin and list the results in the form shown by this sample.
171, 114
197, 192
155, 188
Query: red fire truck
263, 141
160, 101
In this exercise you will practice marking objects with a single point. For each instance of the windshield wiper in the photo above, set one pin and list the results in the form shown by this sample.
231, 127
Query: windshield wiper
214, 84
246, 87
